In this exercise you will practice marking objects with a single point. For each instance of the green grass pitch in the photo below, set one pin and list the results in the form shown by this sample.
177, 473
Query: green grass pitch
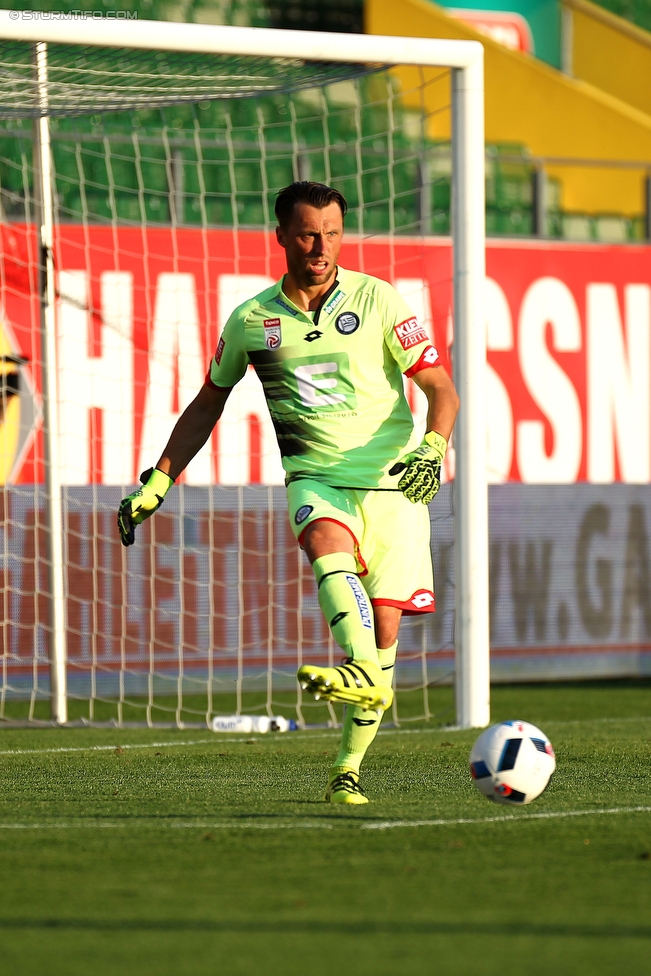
138, 852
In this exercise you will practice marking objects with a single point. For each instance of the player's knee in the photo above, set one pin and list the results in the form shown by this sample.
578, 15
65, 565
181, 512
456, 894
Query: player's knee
324, 537
387, 625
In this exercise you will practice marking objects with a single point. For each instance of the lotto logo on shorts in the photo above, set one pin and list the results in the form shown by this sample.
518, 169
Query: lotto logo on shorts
220, 350
422, 600
272, 337
410, 333
362, 602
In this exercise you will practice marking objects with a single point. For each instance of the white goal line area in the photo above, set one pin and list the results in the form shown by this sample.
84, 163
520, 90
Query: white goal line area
108, 637
149, 823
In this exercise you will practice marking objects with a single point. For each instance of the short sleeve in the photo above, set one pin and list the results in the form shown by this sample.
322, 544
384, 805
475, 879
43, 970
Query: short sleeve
230, 361
404, 335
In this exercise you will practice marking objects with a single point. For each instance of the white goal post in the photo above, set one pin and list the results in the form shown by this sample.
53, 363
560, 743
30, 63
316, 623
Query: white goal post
465, 59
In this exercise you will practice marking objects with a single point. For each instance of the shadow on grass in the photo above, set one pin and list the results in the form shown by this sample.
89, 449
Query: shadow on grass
336, 927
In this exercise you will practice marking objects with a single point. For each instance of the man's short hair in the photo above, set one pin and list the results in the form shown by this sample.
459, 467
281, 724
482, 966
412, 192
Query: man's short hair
303, 191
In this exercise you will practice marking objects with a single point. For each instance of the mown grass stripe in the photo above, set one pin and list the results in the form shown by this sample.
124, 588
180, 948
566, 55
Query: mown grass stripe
142, 821
107, 748
218, 738
317, 824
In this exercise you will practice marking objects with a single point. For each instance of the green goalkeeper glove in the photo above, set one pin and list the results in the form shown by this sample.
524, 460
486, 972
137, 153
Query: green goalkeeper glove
422, 469
142, 503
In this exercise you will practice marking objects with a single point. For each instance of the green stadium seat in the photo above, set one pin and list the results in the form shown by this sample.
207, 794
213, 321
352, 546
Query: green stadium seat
576, 226
612, 227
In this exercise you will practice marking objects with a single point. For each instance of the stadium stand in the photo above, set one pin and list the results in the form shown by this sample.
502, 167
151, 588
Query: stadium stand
144, 184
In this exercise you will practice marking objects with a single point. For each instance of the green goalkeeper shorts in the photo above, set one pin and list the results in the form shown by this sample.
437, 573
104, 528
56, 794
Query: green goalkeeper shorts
390, 533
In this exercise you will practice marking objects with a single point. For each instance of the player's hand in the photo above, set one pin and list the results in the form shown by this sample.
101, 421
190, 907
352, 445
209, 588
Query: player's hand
142, 503
422, 469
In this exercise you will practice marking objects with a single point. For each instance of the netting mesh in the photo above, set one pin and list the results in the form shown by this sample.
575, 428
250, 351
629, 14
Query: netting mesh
164, 224
82, 80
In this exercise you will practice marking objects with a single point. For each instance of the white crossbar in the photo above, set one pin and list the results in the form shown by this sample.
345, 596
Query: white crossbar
252, 41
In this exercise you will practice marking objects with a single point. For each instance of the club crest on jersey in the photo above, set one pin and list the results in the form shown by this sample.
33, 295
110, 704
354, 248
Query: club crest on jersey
410, 333
347, 323
272, 336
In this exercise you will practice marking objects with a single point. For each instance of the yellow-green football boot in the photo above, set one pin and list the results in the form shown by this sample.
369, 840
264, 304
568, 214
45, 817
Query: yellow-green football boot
355, 682
344, 788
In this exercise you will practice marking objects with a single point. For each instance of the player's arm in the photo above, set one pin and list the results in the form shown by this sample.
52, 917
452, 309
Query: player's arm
192, 430
442, 399
421, 470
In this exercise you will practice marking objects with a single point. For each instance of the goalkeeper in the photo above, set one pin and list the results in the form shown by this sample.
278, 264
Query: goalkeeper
330, 347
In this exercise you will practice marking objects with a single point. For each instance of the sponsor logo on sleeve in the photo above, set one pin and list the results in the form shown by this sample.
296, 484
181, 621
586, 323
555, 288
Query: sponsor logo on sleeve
272, 336
303, 513
347, 323
220, 350
410, 333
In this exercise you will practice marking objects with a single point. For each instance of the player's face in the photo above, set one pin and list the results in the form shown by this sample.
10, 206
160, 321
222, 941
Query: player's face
312, 241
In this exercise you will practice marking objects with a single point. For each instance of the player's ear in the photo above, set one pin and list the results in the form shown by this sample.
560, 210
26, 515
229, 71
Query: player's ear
279, 236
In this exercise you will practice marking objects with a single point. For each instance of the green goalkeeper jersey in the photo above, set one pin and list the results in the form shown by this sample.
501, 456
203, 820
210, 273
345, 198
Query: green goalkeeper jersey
332, 378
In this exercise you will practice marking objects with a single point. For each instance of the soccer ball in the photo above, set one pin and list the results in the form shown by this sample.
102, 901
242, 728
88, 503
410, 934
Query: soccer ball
512, 762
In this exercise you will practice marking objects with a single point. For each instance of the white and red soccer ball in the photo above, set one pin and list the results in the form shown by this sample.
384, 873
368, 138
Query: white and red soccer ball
512, 762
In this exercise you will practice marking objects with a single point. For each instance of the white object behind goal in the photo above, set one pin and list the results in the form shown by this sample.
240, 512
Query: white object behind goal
150, 231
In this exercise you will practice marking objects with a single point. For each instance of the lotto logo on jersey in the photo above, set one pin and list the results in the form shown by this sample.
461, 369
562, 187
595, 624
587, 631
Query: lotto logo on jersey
410, 333
220, 350
430, 356
272, 337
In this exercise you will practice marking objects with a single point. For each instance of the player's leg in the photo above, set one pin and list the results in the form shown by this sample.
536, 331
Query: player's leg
359, 730
327, 523
399, 580
330, 547
349, 614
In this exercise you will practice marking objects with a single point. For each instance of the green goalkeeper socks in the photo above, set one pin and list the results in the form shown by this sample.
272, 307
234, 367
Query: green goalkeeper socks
345, 605
348, 612
360, 727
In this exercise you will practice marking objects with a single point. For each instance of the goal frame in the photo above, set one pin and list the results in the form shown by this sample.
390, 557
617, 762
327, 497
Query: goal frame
465, 59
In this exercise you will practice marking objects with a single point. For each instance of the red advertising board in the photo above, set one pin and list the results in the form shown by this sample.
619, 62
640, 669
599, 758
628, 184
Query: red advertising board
567, 327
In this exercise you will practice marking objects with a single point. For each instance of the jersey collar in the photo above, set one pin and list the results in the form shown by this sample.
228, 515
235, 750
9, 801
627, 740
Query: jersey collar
283, 299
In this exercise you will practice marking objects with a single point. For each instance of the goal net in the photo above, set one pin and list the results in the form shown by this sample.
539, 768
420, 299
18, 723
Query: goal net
136, 193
